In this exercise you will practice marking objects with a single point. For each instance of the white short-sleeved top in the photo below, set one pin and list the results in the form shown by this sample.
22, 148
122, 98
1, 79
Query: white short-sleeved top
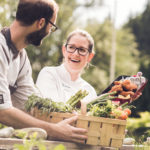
15, 70
56, 83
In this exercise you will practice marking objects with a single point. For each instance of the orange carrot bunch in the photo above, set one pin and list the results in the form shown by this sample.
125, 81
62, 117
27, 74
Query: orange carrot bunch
120, 113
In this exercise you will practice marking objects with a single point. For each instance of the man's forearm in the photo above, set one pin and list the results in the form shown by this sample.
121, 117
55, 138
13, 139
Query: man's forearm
19, 119
62, 130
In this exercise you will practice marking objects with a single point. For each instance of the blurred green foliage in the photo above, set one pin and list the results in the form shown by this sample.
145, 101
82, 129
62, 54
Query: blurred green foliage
139, 128
33, 143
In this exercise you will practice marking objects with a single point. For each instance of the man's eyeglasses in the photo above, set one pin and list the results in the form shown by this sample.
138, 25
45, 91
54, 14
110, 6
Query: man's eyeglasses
81, 51
54, 27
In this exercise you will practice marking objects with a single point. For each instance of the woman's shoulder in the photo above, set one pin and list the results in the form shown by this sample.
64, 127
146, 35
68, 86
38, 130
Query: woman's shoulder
49, 71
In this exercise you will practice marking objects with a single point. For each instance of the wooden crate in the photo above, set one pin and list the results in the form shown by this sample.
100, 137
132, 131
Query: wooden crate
101, 131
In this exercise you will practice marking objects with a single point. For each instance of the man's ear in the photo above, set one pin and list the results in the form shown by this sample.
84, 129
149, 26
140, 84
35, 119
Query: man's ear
91, 55
41, 23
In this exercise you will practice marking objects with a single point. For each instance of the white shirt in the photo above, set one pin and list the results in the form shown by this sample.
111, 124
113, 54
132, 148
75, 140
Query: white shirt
56, 83
14, 71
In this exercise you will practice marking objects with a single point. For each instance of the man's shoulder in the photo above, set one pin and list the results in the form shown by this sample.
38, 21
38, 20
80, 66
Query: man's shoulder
1, 36
4, 49
2, 40
23, 53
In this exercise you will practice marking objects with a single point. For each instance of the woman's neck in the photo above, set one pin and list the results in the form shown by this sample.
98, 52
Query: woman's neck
73, 73
74, 76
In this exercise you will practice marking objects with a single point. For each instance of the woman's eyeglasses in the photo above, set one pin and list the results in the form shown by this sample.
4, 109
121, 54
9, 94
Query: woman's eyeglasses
70, 48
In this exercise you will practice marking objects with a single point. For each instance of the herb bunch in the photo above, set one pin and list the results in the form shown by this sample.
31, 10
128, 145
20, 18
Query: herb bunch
103, 109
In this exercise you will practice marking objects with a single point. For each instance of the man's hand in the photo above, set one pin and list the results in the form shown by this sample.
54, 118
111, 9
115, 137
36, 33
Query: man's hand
65, 131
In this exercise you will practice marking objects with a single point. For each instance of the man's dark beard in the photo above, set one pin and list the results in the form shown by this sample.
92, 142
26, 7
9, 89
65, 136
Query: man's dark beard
36, 37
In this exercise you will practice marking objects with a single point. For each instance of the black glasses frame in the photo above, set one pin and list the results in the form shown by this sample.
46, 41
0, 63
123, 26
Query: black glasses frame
55, 27
77, 50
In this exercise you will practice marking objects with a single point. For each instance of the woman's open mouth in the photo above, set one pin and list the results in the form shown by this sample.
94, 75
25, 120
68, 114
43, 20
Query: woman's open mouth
75, 60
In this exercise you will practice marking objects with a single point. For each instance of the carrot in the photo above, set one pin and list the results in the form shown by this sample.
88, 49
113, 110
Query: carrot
127, 111
123, 116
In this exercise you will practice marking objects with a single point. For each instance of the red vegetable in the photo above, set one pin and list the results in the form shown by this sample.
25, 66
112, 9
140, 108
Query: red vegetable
127, 111
123, 116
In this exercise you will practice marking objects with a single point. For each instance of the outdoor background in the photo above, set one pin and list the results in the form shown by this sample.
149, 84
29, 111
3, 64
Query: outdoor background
122, 48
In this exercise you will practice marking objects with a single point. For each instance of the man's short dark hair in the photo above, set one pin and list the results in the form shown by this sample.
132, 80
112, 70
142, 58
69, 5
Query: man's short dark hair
30, 11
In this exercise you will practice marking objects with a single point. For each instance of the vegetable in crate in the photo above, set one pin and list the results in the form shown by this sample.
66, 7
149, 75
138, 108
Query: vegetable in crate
48, 105
108, 109
102, 109
75, 99
45, 104
101, 98
103, 106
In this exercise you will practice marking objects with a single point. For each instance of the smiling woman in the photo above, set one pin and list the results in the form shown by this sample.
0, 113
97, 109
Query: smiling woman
61, 82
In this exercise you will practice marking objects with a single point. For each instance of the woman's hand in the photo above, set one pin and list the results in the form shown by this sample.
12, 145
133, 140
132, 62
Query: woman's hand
136, 96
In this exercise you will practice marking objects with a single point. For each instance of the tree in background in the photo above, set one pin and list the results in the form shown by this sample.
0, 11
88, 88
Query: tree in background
7, 12
140, 28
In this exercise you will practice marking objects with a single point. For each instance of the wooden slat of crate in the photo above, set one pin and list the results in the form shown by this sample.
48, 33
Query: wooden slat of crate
118, 135
105, 120
93, 133
116, 142
56, 119
82, 124
42, 116
106, 134
94, 129
63, 115
38, 114
118, 131
93, 140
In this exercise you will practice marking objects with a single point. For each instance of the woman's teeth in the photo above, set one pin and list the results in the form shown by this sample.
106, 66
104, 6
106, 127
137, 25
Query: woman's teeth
74, 60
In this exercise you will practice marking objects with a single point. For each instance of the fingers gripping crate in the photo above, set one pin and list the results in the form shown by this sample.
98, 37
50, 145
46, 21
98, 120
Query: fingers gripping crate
101, 131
